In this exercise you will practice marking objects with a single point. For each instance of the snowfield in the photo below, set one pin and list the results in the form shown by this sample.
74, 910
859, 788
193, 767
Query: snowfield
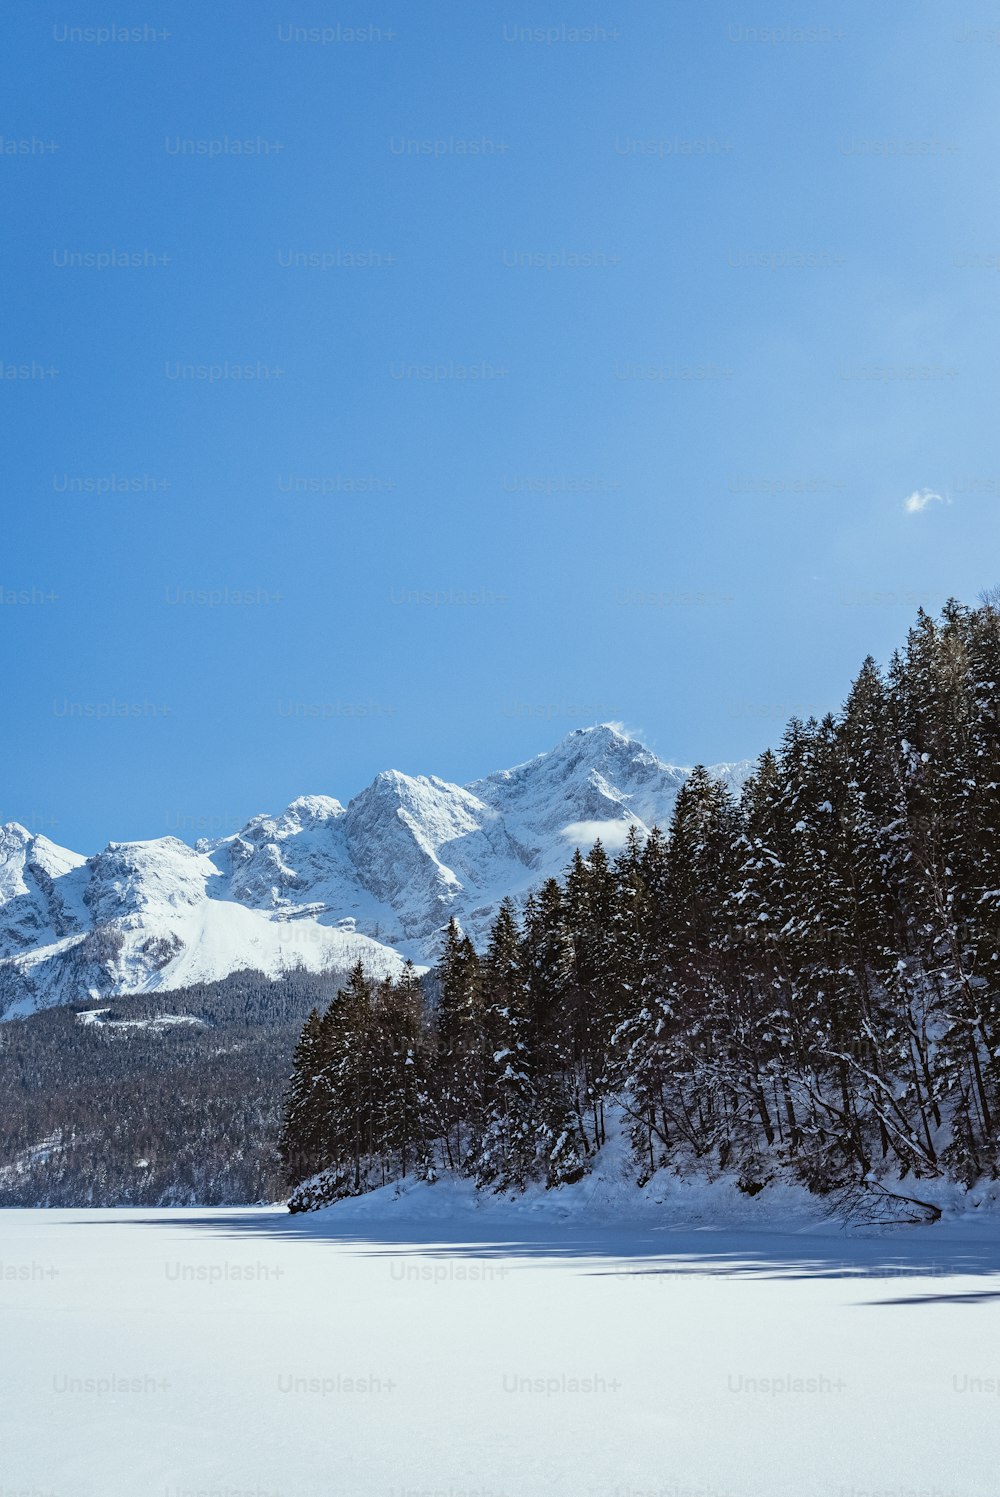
429, 1345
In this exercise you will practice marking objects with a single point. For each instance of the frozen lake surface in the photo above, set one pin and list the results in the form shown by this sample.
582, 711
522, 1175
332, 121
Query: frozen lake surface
246, 1351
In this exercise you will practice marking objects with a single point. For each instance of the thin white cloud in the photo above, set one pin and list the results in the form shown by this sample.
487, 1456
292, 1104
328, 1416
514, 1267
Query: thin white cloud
613, 834
921, 498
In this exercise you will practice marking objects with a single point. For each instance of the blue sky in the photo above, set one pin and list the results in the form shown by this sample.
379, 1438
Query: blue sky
589, 375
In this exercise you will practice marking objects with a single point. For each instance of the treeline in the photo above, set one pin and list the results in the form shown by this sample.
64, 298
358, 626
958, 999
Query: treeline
805, 980
113, 1113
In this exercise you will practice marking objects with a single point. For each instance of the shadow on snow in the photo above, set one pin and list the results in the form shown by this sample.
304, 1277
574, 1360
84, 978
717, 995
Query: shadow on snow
948, 1250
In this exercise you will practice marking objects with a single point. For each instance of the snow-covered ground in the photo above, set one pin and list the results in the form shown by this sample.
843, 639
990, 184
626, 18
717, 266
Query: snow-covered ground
431, 1346
95, 1016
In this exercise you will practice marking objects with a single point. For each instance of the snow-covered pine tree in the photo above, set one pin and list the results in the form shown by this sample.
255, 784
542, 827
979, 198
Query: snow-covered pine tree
407, 1114
458, 1072
555, 1043
597, 988
507, 1148
304, 1139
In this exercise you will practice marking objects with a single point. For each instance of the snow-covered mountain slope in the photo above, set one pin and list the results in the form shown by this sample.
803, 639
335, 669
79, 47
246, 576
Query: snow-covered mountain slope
39, 901
595, 783
320, 885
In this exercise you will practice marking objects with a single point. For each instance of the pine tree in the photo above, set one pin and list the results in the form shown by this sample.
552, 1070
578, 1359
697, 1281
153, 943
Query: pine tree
407, 1114
304, 1140
459, 1022
597, 993
507, 1150
560, 1085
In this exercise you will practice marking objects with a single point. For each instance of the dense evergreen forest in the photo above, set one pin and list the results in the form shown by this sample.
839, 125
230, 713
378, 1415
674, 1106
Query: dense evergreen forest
129, 1109
804, 982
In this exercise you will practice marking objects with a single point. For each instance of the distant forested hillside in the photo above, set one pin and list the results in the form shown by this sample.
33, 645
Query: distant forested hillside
113, 1104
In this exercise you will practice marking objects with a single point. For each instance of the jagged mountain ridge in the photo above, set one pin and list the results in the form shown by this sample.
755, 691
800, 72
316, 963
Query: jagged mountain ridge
321, 884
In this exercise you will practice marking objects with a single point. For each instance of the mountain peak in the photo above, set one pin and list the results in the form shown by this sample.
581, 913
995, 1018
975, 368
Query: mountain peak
394, 779
603, 732
307, 809
320, 884
599, 740
303, 812
603, 747
21, 848
13, 834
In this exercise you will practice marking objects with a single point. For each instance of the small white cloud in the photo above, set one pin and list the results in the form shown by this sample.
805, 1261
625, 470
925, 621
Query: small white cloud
921, 498
613, 834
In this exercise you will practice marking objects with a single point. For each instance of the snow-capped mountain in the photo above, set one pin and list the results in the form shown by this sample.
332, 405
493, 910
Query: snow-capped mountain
320, 884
